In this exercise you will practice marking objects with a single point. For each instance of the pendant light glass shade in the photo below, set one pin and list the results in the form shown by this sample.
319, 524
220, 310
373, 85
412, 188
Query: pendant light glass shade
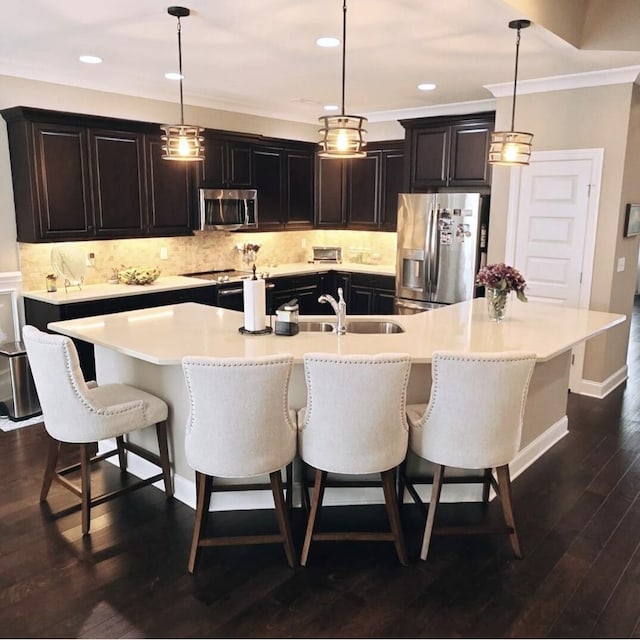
343, 136
182, 142
512, 148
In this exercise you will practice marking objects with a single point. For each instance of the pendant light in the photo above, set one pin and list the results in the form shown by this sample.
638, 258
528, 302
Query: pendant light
512, 148
343, 136
182, 142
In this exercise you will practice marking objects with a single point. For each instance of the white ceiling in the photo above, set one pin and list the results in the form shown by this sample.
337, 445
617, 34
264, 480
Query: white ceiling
259, 56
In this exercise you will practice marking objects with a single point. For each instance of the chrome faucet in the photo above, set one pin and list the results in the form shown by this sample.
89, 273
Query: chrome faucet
340, 308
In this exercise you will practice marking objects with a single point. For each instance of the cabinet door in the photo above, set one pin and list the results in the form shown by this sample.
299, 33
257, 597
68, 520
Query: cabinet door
383, 302
227, 163
212, 172
239, 172
119, 194
331, 201
364, 191
268, 180
392, 185
169, 188
299, 188
65, 208
470, 155
430, 162
360, 300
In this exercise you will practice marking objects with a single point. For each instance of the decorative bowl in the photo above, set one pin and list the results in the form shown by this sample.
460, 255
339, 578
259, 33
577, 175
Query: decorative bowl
138, 275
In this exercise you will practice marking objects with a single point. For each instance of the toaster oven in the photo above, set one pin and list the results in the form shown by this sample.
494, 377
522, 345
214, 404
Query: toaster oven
327, 254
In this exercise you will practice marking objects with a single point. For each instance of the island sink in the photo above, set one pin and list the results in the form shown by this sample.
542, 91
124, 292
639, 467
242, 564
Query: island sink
352, 326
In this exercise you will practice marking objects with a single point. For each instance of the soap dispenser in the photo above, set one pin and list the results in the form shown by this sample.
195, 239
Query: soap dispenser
287, 318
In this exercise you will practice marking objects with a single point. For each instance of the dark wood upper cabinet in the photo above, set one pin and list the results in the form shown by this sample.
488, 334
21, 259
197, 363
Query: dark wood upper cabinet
449, 152
117, 161
330, 193
269, 182
361, 193
393, 178
227, 162
299, 186
54, 201
77, 176
170, 190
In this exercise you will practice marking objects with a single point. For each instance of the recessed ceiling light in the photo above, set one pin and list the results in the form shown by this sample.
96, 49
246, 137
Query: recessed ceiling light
90, 59
172, 75
427, 86
328, 41
330, 107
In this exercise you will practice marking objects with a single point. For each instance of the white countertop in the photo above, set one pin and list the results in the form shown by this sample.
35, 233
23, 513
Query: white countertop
168, 283
101, 291
163, 335
298, 268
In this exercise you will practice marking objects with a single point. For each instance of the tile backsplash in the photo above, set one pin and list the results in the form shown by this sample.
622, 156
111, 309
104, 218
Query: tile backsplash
205, 251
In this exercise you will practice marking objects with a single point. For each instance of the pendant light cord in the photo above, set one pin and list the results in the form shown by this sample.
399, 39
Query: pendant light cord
344, 47
180, 70
515, 82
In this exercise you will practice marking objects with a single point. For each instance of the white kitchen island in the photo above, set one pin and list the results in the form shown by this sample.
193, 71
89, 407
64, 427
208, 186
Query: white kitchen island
145, 347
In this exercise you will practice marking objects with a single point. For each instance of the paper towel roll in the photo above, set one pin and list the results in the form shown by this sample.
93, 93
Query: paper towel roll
253, 293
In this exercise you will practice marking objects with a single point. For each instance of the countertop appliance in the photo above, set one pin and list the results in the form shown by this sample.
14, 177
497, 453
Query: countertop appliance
327, 254
439, 250
228, 209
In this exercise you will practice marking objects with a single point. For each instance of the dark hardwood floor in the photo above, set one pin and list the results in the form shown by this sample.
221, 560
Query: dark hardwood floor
578, 510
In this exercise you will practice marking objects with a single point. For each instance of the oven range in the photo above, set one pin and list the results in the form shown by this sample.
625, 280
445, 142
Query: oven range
229, 292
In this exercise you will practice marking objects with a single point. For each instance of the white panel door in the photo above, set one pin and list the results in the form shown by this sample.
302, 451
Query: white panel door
552, 224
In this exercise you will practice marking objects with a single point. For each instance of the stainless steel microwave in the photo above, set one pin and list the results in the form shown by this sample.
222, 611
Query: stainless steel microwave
228, 209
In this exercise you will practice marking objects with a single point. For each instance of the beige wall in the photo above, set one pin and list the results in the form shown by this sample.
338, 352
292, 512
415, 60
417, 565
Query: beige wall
597, 117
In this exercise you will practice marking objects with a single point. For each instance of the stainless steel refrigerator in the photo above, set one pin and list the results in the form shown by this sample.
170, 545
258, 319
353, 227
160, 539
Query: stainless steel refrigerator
441, 239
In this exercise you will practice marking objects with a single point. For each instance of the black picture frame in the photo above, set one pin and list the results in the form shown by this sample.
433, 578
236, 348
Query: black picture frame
632, 220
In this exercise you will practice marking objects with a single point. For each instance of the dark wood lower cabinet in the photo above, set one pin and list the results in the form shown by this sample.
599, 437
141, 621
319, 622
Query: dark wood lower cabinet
366, 294
40, 314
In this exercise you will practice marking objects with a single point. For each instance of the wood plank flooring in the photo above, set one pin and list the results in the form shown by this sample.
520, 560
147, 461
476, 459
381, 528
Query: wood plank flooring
578, 511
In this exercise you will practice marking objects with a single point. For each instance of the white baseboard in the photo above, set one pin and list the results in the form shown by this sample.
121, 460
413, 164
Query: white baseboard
602, 389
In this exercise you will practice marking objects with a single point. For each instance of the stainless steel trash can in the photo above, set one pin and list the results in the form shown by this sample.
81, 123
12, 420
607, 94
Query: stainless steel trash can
18, 397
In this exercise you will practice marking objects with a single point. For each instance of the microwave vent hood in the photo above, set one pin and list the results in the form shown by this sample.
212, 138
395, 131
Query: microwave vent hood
228, 209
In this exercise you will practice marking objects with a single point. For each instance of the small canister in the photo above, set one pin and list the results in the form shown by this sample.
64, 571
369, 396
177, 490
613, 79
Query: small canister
52, 282
287, 319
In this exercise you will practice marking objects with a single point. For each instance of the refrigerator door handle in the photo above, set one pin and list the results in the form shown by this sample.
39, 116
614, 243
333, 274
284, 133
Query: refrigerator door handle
433, 250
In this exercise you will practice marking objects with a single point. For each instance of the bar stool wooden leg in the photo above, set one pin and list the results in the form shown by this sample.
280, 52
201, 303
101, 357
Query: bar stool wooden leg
504, 482
165, 464
486, 486
316, 503
283, 518
393, 512
204, 485
85, 481
122, 453
50, 470
436, 490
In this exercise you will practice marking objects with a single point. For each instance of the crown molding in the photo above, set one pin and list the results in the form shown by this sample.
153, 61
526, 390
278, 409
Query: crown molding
622, 75
454, 108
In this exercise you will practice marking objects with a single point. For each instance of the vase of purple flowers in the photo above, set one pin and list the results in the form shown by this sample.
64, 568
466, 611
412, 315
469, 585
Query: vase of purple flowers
499, 281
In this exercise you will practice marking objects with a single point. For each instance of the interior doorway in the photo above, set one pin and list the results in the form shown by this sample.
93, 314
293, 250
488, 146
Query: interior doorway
551, 229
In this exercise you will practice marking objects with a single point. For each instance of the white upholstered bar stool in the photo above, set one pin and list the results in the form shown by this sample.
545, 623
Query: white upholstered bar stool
83, 413
354, 424
239, 426
473, 421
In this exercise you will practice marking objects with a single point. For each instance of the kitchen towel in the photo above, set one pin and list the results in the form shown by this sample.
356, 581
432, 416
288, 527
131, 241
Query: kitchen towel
253, 293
